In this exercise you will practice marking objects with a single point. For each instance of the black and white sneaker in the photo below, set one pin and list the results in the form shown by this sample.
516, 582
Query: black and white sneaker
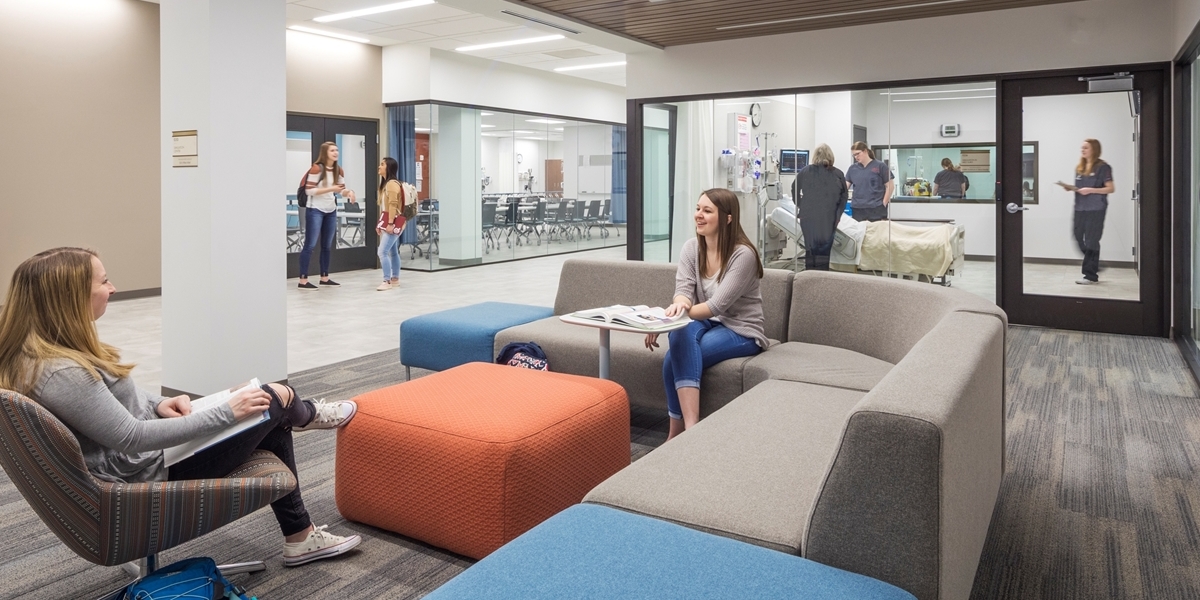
331, 283
307, 285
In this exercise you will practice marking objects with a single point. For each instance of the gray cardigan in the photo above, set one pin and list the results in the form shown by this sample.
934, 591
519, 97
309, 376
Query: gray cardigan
119, 432
738, 300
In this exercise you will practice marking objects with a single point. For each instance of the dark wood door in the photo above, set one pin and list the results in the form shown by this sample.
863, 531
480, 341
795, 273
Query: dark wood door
423, 182
554, 175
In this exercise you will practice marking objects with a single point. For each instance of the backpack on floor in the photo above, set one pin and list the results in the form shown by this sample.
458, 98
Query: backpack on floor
527, 355
191, 578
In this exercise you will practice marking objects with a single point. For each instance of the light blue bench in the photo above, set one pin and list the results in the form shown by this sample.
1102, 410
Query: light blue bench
445, 339
590, 551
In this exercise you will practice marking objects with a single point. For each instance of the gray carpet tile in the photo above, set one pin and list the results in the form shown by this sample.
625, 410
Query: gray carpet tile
1100, 498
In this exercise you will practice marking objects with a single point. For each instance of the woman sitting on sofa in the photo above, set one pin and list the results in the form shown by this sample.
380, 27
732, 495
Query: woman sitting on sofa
50, 351
716, 284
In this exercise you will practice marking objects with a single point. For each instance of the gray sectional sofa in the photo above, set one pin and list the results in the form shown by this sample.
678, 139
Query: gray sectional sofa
869, 438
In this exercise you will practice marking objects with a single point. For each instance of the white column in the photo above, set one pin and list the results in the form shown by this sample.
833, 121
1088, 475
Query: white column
456, 178
224, 313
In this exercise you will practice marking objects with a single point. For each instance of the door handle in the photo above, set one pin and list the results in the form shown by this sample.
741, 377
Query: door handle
1013, 208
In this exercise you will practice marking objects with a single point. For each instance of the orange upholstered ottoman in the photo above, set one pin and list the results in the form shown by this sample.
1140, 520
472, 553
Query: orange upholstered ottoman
472, 457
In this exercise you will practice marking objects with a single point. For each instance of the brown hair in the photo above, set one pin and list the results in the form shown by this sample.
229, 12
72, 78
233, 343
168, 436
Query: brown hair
1088, 166
948, 164
863, 146
48, 315
323, 160
729, 233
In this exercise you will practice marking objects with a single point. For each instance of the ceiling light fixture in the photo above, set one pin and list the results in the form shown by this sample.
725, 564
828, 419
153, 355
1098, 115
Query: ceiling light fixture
937, 99
486, 114
372, 11
841, 14
987, 89
538, 21
331, 34
545, 121
522, 131
595, 66
743, 102
421, 129
532, 40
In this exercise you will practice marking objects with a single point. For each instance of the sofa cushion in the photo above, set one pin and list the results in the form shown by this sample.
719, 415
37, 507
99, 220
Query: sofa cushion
575, 349
447, 338
590, 551
812, 363
750, 471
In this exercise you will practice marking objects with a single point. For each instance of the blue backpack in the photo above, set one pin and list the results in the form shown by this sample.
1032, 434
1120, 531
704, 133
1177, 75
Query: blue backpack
191, 578
527, 355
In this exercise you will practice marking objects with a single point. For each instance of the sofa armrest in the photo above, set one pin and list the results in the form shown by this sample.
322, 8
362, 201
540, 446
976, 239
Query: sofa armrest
909, 496
139, 519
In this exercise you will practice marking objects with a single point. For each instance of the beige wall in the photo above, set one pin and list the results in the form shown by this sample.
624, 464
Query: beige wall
332, 77
80, 121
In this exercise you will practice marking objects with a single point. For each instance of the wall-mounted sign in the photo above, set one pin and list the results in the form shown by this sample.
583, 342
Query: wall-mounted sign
975, 161
184, 149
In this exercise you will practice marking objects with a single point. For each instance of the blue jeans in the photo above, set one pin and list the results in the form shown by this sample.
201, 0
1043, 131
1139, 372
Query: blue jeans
694, 348
322, 226
389, 254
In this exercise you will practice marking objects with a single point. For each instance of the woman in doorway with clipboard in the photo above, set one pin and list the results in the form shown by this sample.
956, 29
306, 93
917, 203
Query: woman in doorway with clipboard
51, 352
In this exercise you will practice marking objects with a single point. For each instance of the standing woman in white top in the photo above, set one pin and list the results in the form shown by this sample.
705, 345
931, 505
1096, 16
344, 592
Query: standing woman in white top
325, 180
717, 285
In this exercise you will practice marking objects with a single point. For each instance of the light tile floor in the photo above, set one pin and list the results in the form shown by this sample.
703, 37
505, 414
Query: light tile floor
332, 325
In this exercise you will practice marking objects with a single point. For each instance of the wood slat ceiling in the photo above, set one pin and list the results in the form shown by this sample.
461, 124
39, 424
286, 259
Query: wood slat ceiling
678, 22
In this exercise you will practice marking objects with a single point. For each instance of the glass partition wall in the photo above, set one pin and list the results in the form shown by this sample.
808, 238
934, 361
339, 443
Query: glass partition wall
920, 203
497, 185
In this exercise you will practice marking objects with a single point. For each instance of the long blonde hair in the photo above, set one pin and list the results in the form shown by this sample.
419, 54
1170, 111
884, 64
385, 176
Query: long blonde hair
48, 315
1087, 166
729, 233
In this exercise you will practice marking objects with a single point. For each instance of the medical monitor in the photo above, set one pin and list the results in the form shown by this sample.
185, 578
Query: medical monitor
791, 161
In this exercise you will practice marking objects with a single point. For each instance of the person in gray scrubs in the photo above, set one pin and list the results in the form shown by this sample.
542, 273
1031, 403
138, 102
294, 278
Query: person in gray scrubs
872, 184
820, 196
950, 182
1093, 184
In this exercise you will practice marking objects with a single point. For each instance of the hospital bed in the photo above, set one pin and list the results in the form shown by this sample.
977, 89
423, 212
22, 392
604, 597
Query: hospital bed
918, 250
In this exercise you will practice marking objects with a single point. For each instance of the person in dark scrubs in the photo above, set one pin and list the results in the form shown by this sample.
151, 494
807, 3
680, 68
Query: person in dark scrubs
820, 194
872, 184
1093, 184
950, 182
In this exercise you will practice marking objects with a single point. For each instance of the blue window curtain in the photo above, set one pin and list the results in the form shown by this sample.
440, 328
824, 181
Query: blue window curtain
402, 146
618, 174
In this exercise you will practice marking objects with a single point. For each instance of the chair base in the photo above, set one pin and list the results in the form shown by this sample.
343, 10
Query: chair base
147, 566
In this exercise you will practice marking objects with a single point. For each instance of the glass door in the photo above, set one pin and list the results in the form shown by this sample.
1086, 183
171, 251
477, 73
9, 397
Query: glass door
1081, 209
355, 239
658, 187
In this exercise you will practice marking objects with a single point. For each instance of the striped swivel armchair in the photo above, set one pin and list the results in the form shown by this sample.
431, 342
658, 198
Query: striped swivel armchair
114, 523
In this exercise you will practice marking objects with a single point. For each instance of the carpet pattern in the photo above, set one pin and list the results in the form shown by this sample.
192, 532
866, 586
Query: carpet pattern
1100, 498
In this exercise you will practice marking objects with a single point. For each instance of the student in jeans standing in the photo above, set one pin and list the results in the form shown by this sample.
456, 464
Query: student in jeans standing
717, 285
391, 222
50, 351
325, 180
872, 184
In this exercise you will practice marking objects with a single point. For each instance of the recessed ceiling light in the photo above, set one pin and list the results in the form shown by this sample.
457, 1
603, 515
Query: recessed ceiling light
595, 66
558, 128
532, 40
372, 11
986, 89
421, 129
331, 34
545, 121
936, 99
487, 125
743, 102
522, 131
486, 114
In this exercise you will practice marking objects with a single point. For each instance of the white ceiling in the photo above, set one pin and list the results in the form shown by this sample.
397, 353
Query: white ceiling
451, 24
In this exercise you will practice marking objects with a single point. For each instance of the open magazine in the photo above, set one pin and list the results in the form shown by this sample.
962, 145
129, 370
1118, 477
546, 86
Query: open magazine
175, 454
642, 317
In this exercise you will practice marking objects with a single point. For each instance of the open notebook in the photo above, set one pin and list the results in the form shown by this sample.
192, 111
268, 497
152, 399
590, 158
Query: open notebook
175, 454
642, 317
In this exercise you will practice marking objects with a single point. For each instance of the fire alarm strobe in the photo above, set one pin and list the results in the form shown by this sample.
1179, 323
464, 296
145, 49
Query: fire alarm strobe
950, 130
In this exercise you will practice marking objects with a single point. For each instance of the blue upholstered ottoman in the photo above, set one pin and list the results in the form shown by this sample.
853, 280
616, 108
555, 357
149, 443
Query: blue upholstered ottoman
441, 340
590, 551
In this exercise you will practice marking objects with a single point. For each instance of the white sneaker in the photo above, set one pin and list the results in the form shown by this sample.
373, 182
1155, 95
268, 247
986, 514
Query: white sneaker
318, 545
1086, 281
330, 414
383, 287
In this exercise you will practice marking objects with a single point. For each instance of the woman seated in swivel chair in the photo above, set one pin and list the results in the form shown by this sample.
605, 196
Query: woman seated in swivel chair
716, 284
50, 351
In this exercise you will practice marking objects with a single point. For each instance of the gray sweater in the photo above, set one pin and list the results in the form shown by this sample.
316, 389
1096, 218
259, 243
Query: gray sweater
738, 300
121, 435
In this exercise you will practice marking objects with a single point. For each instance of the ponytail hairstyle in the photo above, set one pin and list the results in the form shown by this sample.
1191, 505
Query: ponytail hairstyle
392, 169
729, 235
949, 164
862, 146
1087, 166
